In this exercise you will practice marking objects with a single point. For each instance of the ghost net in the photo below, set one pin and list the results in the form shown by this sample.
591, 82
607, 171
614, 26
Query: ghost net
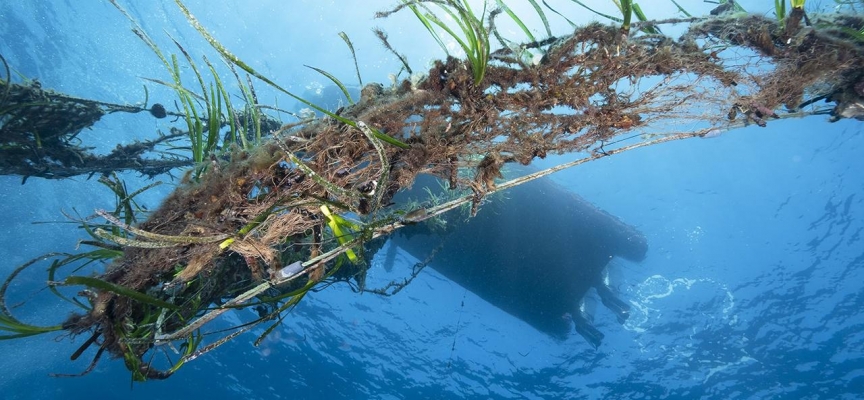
261, 226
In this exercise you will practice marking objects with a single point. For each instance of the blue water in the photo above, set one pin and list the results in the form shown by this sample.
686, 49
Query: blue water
751, 288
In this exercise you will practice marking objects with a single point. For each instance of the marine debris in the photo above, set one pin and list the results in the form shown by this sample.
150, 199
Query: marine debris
39, 128
266, 215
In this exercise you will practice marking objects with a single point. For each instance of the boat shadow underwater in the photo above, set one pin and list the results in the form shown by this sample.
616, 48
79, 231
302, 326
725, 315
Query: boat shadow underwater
534, 251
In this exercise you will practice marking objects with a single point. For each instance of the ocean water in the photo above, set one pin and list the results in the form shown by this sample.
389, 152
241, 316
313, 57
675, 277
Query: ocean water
752, 287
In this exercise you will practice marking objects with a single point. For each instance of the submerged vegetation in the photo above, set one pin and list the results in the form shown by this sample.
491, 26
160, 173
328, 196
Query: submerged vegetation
271, 210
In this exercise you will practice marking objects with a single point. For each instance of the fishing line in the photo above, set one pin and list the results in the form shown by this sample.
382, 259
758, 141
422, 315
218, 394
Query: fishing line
456, 333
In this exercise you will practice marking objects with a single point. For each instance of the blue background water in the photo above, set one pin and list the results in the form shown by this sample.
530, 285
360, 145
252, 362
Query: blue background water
751, 288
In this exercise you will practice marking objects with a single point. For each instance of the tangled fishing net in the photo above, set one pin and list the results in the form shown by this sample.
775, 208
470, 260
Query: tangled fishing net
39, 135
260, 226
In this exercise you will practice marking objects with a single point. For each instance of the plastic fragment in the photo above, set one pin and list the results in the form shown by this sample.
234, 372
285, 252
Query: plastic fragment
291, 270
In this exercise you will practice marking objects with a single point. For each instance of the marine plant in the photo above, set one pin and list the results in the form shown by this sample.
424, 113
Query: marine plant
474, 36
288, 211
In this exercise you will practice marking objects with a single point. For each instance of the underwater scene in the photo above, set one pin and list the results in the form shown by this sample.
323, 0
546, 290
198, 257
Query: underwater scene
432, 199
